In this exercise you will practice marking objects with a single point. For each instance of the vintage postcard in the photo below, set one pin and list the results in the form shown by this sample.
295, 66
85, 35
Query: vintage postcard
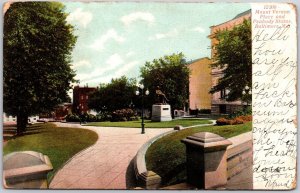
149, 95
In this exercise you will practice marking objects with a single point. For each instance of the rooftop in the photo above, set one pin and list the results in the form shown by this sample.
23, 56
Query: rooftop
236, 17
242, 14
195, 60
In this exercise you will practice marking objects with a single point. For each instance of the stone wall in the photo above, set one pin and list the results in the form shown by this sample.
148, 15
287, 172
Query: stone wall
240, 162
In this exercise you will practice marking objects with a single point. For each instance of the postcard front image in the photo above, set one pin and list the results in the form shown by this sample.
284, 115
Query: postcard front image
132, 95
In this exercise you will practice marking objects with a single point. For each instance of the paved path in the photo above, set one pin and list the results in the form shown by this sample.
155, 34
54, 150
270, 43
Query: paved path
103, 165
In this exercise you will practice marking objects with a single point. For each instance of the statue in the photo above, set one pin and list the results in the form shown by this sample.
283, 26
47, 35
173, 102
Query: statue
160, 96
161, 111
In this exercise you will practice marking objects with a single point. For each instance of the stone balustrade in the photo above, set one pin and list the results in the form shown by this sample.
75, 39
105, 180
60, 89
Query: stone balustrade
213, 162
147, 179
240, 162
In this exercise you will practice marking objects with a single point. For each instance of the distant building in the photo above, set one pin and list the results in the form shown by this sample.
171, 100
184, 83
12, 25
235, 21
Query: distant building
80, 99
200, 84
218, 103
62, 110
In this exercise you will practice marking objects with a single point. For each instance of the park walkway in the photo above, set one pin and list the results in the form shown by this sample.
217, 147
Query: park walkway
104, 164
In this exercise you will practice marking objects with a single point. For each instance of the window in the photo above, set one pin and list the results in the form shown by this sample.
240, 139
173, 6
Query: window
87, 97
223, 94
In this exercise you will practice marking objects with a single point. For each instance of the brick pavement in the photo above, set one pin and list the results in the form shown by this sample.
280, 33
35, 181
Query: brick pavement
103, 165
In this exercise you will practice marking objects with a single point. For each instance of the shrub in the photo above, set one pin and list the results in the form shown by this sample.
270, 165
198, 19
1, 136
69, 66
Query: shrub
83, 118
103, 116
246, 111
222, 121
239, 121
72, 118
204, 111
234, 121
245, 117
194, 112
134, 118
90, 118
122, 115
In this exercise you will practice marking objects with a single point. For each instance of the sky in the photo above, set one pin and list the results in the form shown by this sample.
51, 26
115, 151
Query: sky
116, 39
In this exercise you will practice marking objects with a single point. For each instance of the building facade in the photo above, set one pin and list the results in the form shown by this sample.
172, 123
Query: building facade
80, 99
200, 84
219, 105
62, 110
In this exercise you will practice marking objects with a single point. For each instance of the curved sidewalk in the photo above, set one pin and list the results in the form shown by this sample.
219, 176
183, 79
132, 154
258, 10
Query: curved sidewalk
103, 165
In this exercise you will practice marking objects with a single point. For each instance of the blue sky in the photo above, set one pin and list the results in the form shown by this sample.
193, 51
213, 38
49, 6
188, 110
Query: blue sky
116, 39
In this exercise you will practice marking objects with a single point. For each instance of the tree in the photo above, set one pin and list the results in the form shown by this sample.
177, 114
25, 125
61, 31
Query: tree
37, 53
118, 94
171, 74
234, 57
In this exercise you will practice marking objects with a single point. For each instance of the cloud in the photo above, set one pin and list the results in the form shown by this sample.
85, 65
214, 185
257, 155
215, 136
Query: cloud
111, 34
82, 76
98, 80
171, 33
129, 54
199, 29
125, 68
82, 17
82, 63
136, 16
101, 75
122, 70
114, 61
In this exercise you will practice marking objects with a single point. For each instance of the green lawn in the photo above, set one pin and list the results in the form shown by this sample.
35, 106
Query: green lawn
166, 156
58, 143
149, 124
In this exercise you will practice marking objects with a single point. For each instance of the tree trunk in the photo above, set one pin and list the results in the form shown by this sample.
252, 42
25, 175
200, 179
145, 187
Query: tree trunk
172, 112
22, 120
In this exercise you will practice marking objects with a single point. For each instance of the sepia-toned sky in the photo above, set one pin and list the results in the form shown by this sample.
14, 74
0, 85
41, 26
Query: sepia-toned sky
116, 39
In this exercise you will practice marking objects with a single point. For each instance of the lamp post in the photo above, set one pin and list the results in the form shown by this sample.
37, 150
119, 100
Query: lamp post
137, 92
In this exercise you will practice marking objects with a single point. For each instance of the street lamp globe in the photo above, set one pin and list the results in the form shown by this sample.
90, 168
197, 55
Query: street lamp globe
137, 92
147, 92
141, 86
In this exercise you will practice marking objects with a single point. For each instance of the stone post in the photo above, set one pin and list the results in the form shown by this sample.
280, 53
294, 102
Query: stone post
206, 156
161, 112
26, 170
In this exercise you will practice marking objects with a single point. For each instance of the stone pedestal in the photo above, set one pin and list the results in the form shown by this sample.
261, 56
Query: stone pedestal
161, 113
206, 156
149, 180
27, 169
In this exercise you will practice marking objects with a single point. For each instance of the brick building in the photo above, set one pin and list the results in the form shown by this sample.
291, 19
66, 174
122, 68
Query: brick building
200, 84
80, 99
62, 110
218, 103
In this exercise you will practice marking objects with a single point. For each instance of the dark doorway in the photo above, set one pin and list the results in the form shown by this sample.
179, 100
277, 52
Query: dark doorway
222, 109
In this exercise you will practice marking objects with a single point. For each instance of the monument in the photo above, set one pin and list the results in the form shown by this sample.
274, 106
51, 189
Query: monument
161, 111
